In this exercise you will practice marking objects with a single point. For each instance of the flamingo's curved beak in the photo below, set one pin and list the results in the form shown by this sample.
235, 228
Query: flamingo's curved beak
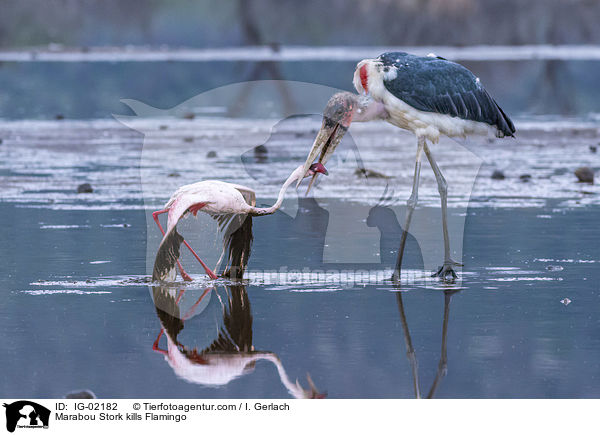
337, 117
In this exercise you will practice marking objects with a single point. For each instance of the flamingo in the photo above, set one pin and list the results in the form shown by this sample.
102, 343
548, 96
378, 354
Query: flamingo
232, 205
231, 354
429, 96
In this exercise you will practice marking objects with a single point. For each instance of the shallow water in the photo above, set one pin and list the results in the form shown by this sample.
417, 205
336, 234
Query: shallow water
78, 312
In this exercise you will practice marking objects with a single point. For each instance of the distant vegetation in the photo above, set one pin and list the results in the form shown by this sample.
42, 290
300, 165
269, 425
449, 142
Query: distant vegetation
213, 23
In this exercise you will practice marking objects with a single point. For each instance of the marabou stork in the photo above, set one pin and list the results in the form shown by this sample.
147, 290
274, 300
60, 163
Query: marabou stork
232, 205
429, 96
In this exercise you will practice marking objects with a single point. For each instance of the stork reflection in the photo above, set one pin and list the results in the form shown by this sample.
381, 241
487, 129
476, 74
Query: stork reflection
442, 368
228, 352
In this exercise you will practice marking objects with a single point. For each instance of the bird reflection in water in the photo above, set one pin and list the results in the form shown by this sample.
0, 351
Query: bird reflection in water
231, 353
442, 368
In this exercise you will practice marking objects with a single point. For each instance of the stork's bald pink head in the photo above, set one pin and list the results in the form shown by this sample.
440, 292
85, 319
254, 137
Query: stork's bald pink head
341, 110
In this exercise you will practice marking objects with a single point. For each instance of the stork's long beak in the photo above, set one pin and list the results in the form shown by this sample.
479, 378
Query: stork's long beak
327, 140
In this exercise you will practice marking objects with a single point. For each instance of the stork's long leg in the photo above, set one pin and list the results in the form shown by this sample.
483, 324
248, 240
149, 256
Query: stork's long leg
446, 269
184, 275
410, 207
410, 350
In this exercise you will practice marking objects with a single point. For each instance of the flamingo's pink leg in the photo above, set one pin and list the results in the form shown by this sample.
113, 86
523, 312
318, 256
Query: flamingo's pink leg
155, 347
209, 272
182, 272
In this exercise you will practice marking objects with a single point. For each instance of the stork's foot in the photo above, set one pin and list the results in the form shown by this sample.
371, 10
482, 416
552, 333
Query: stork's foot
446, 272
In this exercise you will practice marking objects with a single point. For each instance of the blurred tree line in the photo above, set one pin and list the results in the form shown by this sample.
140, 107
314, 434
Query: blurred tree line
213, 23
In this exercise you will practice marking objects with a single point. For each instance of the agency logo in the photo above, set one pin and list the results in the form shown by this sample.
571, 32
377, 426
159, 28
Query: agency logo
26, 414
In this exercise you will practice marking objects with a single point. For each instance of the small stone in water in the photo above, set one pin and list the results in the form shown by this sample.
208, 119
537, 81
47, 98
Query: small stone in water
85, 188
188, 139
261, 149
498, 175
369, 173
163, 127
565, 301
211, 154
174, 174
584, 174
554, 268
525, 178
189, 115
82, 394
59, 116
593, 148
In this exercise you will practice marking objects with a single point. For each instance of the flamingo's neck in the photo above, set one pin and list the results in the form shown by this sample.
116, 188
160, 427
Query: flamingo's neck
257, 211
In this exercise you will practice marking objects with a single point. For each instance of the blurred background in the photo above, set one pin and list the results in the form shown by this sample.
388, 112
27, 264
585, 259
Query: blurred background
46, 89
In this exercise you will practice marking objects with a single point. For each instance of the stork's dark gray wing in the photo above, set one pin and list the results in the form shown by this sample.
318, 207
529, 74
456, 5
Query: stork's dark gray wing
433, 84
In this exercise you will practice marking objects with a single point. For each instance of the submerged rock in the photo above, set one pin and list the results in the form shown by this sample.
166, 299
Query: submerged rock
261, 149
525, 178
188, 139
174, 175
498, 175
584, 174
59, 116
188, 115
261, 154
163, 127
593, 148
211, 154
85, 188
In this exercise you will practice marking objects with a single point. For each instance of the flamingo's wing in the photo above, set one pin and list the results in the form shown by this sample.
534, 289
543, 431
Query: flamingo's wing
181, 205
237, 241
235, 227
166, 257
